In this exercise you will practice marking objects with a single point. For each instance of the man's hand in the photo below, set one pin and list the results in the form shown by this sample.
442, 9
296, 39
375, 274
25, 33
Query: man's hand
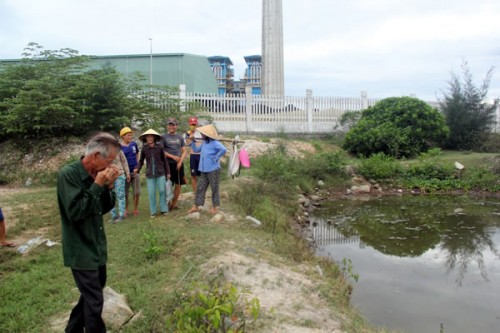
107, 176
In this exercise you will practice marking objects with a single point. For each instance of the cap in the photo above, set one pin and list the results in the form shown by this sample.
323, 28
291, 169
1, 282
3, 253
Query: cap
124, 131
193, 121
172, 121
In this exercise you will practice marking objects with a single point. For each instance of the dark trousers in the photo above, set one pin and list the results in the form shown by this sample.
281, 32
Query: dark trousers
205, 179
87, 312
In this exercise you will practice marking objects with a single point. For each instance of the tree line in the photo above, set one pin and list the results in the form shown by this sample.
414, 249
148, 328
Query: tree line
406, 126
57, 93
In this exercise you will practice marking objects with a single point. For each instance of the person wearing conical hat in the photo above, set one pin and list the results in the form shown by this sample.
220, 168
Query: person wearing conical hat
211, 151
157, 171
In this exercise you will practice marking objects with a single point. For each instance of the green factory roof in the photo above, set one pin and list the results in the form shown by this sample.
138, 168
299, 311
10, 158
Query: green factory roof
167, 69
171, 69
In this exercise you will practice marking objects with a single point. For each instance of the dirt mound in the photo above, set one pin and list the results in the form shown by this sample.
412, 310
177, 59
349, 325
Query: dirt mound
286, 293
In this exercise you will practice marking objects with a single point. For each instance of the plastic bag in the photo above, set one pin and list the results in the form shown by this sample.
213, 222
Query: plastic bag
244, 158
169, 194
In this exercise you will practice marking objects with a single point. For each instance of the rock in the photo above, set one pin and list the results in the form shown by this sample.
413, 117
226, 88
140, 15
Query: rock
217, 218
116, 312
193, 216
459, 166
301, 200
361, 189
253, 219
315, 197
321, 183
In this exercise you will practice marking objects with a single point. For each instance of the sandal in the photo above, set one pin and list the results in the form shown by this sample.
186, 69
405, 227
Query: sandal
136, 212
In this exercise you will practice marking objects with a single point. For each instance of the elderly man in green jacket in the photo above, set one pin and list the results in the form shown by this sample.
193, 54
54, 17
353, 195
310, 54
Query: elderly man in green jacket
84, 194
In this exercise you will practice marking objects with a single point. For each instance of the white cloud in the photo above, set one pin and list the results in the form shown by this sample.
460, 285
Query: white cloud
388, 47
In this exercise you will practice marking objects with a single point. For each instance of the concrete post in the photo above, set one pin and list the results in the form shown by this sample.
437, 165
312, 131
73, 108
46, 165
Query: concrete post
309, 107
248, 109
364, 99
182, 97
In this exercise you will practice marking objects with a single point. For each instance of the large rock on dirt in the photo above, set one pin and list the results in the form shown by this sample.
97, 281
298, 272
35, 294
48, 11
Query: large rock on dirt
116, 313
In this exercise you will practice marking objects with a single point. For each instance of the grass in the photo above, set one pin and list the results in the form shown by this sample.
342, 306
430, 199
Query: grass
36, 287
154, 262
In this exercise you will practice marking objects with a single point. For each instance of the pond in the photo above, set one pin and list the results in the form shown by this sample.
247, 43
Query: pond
425, 263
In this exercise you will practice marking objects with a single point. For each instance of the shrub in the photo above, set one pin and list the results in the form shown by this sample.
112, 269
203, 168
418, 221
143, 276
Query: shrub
379, 166
217, 308
396, 126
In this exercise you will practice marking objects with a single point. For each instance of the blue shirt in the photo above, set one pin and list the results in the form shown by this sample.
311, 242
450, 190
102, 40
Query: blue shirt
130, 153
211, 153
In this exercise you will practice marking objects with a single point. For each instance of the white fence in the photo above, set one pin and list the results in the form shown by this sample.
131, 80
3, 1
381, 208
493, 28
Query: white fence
266, 114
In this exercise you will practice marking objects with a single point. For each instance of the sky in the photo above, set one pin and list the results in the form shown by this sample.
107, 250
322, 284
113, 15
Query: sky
335, 48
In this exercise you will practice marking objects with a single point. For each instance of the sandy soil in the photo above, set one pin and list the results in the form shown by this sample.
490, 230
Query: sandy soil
288, 295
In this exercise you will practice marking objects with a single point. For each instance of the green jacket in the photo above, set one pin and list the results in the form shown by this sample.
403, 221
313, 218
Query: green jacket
82, 204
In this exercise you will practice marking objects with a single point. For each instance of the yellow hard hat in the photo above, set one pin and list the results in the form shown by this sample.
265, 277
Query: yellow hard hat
124, 131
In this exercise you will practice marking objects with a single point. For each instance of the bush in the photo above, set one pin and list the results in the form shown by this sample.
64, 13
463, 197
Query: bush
218, 308
379, 167
398, 127
430, 167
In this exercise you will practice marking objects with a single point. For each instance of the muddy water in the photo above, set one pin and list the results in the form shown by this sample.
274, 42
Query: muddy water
425, 263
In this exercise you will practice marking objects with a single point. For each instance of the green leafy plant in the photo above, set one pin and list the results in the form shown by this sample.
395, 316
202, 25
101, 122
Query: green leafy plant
347, 269
220, 308
153, 247
468, 117
379, 166
396, 126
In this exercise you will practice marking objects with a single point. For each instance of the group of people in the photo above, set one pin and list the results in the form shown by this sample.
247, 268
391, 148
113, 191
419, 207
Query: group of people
165, 155
88, 188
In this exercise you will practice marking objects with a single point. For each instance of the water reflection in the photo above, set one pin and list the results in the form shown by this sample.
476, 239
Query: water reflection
385, 234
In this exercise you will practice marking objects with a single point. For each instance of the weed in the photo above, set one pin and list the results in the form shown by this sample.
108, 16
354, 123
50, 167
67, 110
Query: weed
379, 166
153, 247
347, 269
216, 308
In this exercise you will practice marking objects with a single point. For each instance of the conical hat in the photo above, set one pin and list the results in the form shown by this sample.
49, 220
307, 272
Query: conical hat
209, 130
149, 132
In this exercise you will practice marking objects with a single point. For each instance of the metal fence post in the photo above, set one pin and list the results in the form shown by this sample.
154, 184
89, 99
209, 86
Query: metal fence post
248, 109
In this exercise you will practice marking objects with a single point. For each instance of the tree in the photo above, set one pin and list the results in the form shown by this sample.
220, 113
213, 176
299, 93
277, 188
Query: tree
469, 117
398, 127
58, 94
